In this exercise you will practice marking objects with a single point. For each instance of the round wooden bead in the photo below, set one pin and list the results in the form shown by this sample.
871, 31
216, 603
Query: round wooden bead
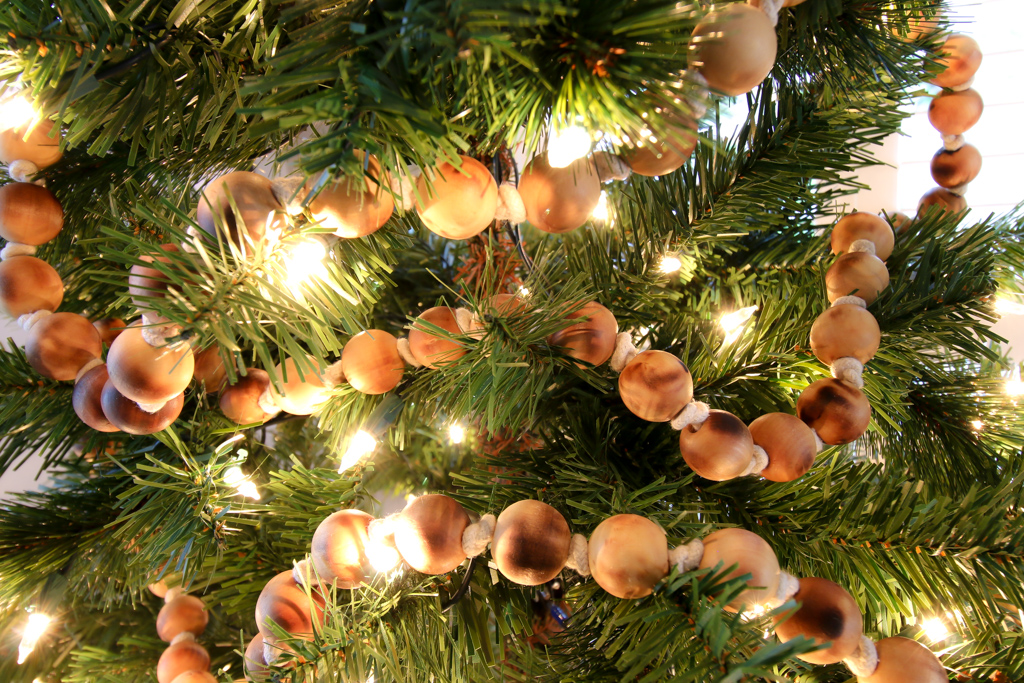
371, 362
126, 415
148, 374
628, 555
60, 344
252, 194
301, 393
37, 147
109, 329
339, 549
951, 169
942, 198
593, 339
846, 330
954, 113
961, 57
195, 677
429, 534
209, 369
826, 614
505, 305
863, 226
901, 660
285, 603
354, 207
27, 285
751, 555
185, 655
29, 214
458, 203
655, 386
789, 443
558, 200
673, 147
183, 613
255, 662
146, 282
839, 412
240, 401
86, 399
734, 48
427, 345
720, 449
531, 542
857, 273
900, 222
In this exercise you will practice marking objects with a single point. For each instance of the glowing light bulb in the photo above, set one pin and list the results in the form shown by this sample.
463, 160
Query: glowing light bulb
16, 112
601, 212
1007, 307
382, 557
732, 323
360, 446
34, 630
524, 291
670, 264
234, 476
1014, 386
567, 145
977, 425
935, 629
456, 434
304, 261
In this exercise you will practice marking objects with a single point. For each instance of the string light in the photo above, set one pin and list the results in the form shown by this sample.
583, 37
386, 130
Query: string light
524, 291
382, 557
34, 630
234, 476
732, 323
456, 434
977, 425
670, 264
15, 112
303, 261
567, 145
935, 629
1007, 307
361, 445
601, 212
1014, 386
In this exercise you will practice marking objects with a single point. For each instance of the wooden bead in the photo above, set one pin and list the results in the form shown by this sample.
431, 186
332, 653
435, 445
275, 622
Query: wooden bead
628, 555
301, 393
863, 226
531, 542
148, 374
429, 534
857, 273
655, 386
29, 214
839, 412
558, 200
751, 555
942, 198
505, 305
27, 285
354, 207
901, 660
826, 614
789, 443
954, 113
240, 401
146, 282
846, 330
339, 549
253, 195
195, 677
593, 339
183, 613
285, 603
719, 449
734, 48
255, 662
185, 655
899, 221
37, 147
126, 415
674, 145
427, 345
961, 57
371, 362
60, 344
109, 328
458, 203
86, 399
209, 368
952, 169
158, 588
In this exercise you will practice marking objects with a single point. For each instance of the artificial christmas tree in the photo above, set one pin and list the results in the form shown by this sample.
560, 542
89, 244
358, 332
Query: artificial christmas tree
473, 254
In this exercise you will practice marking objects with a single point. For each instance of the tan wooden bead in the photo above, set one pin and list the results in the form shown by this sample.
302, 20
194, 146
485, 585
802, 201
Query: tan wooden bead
59, 345
857, 273
593, 339
531, 542
371, 362
86, 398
719, 449
789, 443
183, 613
253, 196
27, 285
751, 555
839, 412
354, 207
944, 199
29, 214
126, 415
558, 200
240, 402
109, 328
673, 147
901, 660
209, 368
734, 48
961, 57
846, 330
185, 655
146, 282
428, 347
301, 393
428, 534
827, 613
628, 555
37, 146
145, 373
195, 677
339, 549
458, 203
952, 169
955, 113
655, 386
285, 603
863, 226
255, 663
900, 222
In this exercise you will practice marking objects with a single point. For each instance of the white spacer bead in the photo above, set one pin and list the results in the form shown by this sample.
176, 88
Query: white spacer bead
864, 660
302, 572
468, 323
22, 170
817, 440
182, 637
963, 86
477, 536
510, 205
614, 167
850, 299
624, 352
771, 8
687, 557
579, 555
959, 189
289, 194
383, 527
403, 185
12, 249
789, 586
87, 367
266, 402
867, 246
173, 593
757, 463
850, 370
952, 143
695, 413
29, 319
405, 351
151, 407
333, 375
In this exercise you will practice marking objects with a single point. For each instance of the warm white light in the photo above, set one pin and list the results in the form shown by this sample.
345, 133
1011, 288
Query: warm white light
935, 629
977, 425
361, 445
456, 434
567, 145
670, 264
382, 557
249, 490
34, 630
1014, 386
1007, 307
303, 261
601, 211
523, 291
234, 476
732, 323
16, 112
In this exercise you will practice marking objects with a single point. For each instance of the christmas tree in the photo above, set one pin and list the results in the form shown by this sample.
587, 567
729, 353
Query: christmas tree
462, 266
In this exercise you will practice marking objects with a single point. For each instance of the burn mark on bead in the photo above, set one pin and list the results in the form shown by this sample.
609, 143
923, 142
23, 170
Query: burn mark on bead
832, 622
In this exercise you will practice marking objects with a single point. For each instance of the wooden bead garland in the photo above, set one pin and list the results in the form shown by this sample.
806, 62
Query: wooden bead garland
531, 542
283, 602
181, 619
628, 555
255, 208
593, 339
181, 656
429, 532
181, 613
734, 48
430, 348
60, 344
558, 200
146, 373
33, 144
339, 549
457, 203
720, 448
354, 207
29, 214
27, 285
827, 614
